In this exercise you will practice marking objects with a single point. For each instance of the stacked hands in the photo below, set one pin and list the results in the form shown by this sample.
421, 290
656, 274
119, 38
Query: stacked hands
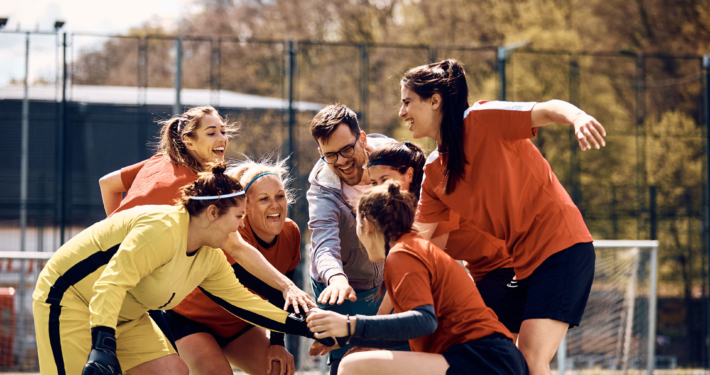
330, 324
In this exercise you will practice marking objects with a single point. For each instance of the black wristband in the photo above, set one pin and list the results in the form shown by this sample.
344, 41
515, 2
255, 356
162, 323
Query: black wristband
277, 338
103, 338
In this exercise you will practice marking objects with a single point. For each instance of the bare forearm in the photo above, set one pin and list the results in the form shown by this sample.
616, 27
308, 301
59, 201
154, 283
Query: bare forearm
426, 230
111, 201
554, 111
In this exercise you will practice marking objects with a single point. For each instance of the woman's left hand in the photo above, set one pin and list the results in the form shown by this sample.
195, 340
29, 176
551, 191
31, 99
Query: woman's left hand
278, 353
589, 132
327, 324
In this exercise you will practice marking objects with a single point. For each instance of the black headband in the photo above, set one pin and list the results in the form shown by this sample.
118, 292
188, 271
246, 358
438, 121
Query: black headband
380, 162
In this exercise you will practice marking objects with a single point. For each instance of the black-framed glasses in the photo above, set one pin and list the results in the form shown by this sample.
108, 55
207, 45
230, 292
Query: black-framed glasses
346, 152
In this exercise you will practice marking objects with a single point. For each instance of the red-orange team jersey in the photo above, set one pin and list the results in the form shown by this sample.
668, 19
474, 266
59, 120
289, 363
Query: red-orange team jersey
154, 181
284, 255
417, 273
482, 252
508, 189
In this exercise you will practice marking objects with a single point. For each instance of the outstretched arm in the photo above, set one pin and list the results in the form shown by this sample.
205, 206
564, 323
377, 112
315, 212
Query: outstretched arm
587, 129
254, 262
222, 287
379, 331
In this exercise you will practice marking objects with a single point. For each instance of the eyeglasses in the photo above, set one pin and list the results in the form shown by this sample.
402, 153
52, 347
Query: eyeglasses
346, 152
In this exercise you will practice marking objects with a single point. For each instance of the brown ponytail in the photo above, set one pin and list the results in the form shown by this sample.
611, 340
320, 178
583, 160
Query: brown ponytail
389, 209
211, 183
448, 79
401, 156
175, 128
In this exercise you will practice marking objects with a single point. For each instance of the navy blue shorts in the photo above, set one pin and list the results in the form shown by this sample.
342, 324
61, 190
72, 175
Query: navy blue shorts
558, 289
490, 355
182, 326
493, 287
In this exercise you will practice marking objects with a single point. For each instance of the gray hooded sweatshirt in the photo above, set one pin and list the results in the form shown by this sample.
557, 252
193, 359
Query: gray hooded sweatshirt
335, 248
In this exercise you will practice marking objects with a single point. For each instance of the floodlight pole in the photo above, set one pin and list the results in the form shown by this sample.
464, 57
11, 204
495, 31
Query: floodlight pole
503, 53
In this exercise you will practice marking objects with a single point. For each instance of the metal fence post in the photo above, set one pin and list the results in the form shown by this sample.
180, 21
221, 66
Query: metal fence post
501, 60
22, 292
562, 356
574, 165
364, 84
652, 210
62, 148
290, 72
177, 111
706, 113
293, 341
640, 115
651, 363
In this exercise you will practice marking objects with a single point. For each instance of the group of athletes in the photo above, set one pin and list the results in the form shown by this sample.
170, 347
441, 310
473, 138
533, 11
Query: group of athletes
198, 258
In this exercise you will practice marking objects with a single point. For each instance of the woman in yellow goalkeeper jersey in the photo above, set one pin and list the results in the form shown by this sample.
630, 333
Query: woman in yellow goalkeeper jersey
92, 298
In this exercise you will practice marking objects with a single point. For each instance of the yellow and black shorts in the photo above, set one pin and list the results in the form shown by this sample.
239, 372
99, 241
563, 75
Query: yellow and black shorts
64, 337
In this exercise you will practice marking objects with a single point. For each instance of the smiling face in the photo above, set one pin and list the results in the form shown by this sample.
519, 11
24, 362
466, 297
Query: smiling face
267, 205
209, 141
229, 222
423, 116
381, 173
371, 239
350, 170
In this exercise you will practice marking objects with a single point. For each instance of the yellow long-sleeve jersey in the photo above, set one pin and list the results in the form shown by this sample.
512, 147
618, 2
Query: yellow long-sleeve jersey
137, 261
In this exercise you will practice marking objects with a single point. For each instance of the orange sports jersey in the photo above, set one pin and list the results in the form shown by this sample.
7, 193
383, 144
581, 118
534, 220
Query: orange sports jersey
508, 189
154, 181
417, 273
284, 255
482, 252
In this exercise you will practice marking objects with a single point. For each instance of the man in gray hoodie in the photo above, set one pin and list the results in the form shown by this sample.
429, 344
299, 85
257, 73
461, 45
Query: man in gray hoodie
342, 276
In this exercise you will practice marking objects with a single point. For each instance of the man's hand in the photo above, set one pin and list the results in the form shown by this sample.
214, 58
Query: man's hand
295, 297
589, 132
338, 291
278, 353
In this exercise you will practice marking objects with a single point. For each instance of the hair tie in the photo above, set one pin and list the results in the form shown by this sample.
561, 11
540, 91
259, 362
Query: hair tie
255, 178
181, 124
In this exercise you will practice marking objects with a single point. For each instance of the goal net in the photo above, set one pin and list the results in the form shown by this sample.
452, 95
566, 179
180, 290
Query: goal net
617, 330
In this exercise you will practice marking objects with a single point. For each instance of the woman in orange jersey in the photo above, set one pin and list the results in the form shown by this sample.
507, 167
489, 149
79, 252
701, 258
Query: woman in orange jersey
485, 256
490, 173
187, 143
209, 339
438, 310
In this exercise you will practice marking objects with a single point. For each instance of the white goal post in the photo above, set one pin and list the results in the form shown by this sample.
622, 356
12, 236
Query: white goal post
620, 262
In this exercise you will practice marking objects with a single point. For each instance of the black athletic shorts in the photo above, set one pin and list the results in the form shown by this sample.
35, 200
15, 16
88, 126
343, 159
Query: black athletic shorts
558, 289
181, 326
493, 287
490, 355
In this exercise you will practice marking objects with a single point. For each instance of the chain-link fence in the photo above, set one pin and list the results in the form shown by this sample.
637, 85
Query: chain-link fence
88, 106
